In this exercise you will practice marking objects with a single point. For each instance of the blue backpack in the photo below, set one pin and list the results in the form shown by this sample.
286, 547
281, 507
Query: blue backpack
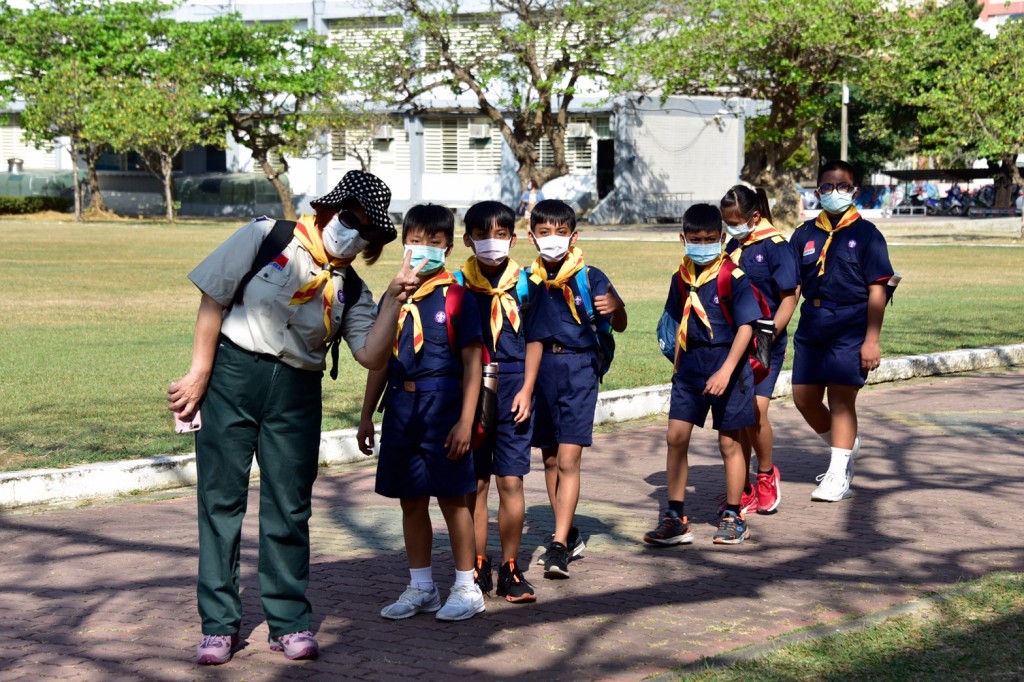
600, 326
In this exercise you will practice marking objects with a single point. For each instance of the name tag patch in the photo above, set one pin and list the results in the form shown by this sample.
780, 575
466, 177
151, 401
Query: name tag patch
809, 249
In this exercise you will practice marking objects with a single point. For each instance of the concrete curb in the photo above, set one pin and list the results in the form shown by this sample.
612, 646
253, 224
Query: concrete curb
49, 486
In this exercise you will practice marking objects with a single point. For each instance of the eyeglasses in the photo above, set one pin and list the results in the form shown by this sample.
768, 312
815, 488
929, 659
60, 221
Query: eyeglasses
349, 219
828, 187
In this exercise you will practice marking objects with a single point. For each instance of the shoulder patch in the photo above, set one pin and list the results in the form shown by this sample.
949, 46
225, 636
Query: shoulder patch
535, 278
778, 239
737, 273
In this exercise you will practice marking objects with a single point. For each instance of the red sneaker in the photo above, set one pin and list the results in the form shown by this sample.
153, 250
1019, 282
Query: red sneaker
747, 503
769, 491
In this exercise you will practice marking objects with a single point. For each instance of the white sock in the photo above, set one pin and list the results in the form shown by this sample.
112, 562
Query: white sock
827, 437
463, 578
840, 460
422, 578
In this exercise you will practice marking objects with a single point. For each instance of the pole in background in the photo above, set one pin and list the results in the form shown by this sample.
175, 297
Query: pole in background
844, 123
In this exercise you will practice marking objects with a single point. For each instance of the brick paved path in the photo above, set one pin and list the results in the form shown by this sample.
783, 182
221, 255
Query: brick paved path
107, 592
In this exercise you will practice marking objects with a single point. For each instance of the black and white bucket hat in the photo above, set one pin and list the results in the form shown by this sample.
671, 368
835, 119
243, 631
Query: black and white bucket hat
371, 193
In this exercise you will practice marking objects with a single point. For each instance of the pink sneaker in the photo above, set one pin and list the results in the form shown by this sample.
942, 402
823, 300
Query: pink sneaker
769, 491
216, 649
296, 645
747, 503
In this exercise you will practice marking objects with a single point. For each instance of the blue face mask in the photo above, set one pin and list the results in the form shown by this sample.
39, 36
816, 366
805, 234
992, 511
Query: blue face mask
836, 201
702, 254
432, 255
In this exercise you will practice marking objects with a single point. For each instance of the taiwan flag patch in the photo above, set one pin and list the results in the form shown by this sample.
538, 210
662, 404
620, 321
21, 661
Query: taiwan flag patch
280, 261
809, 249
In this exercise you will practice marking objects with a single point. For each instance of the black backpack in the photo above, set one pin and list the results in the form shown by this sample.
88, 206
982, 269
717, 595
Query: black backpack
273, 244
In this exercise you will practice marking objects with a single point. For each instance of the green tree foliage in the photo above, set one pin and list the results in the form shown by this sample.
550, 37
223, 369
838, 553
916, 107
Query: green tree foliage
56, 55
279, 90
789, 53
523, 61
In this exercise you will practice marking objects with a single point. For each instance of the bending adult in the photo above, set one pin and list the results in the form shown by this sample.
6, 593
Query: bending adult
257, 366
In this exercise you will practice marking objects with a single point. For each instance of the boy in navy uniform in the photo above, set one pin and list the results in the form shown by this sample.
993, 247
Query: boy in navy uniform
430, 388
566, 393
767, 259
513, 307
844, 270
711, 373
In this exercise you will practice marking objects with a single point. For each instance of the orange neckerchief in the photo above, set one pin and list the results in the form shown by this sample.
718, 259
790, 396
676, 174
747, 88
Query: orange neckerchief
501, 299
693, 282
764, 230
572, 264
823, 222
442, 278
310, 239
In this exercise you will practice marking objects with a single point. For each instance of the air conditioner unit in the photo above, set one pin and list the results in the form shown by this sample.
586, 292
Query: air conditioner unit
384, 132
479, 131
577, 130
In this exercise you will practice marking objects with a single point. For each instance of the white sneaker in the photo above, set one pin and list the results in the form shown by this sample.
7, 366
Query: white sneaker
465, 601
834, 486
413, 601
856, 449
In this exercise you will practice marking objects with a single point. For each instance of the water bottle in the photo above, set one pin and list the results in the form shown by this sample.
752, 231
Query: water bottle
488, 406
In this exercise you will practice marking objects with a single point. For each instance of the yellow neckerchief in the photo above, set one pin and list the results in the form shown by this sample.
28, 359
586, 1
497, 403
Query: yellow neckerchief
572, 264
442, 278
501, 299
764, 230
693, 282
311, 240
822, 222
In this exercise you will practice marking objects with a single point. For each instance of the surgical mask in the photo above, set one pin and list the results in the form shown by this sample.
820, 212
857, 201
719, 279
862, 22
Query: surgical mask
341, 241
738, 231
836, 201
553, 248
702, 254
433, 256
491, 251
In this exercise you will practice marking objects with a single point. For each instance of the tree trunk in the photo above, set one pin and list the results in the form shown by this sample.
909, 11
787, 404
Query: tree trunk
96, 201
167, 170
1004, 181
284, 193
76, 183
763, 170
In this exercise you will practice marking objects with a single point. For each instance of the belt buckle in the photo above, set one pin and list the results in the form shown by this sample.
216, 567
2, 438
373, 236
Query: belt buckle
409, 386
557, 348
816, 302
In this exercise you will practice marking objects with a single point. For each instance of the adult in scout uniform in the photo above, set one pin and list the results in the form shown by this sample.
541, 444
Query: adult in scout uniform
257, 365
844, 270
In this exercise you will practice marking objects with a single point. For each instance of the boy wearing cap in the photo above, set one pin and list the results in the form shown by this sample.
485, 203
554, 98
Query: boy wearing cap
258, 357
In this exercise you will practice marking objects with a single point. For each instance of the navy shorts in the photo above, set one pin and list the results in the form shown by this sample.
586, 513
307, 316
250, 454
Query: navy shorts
730, 411
767, 385
827, 343
565, 399
413, 459
506, 452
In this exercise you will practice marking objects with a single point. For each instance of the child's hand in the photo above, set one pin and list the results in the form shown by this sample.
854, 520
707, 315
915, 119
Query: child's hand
458, 440
717, 383
607, 304
405, 281
521, 406
364, 436
870, 356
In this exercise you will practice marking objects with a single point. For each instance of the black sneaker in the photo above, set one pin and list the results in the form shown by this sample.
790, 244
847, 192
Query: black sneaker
513, 586
482, 574
576, 545
557, 564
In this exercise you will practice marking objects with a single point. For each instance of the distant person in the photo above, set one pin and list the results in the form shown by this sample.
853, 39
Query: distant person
844, 270
766, 258
710, 373
529, 198
258, 358
430, 388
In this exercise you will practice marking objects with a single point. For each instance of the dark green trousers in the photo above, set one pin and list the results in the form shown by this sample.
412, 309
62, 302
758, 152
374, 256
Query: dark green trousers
256, 404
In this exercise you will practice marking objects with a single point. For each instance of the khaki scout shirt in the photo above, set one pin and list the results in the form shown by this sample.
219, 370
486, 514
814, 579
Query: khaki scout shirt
264, 322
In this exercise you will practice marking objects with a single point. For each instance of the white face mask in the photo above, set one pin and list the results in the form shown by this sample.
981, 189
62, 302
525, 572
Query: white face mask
491, 251
738, 231
341, 241
553, 248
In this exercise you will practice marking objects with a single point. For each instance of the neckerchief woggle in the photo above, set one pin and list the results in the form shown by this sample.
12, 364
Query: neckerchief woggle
311, 240
501, 299
691, 301
442, 278
822, 222
572, 264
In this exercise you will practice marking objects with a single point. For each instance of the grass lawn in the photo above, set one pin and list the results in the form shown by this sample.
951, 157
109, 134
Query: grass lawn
973, 633
98, 319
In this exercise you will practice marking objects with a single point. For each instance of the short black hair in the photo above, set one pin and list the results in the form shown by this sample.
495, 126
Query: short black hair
701, 218
839, 166
484, 215
432, 219
554, 212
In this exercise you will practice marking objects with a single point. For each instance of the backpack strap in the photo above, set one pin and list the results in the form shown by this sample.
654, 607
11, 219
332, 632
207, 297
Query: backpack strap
725, 289
352, 289
273, 244
460, 277
583, 282
523, 287
453, 296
